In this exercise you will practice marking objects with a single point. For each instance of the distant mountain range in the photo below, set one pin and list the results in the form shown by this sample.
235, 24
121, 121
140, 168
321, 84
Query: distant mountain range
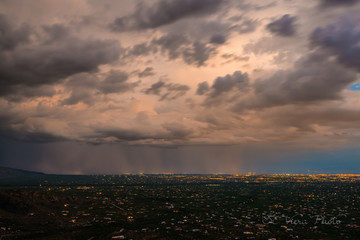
11, 176
17, 177
12, 172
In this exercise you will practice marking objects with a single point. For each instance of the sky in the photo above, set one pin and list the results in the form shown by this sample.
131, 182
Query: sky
180, 86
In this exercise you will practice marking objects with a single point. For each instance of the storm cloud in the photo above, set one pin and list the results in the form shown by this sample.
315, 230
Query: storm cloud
87, 88
147, 72
116, 82
176, 46
284, 26
314, 78
335, 3
342, 39
164, 12
48, 62
167, 91
222, 85
11, 36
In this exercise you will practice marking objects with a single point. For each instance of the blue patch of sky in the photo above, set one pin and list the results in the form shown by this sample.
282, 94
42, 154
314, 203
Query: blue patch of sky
355, 87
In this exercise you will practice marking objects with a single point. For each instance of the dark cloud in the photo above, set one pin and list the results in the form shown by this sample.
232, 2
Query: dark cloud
18, 126
230, 57
334, 3
142, 49
314, 78
225, 88
221, 85
82, 80
78, 95
22, 93
10, 36
171, 44
155, 89
218, 38
48, 62
86, 88
117, 83
206, 30
169, 131
284, 26
266, 6
305, 117
178, 46
147, 72
341, 39
164, 12
198, 54
246, 6
202, 88
174, 91
167, 91
126, 135
56, 32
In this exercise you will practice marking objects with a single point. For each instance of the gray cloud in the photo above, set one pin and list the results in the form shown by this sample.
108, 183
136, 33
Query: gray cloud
48, 62
284, 26
198, 54
314, 78
18, 126
126, 135
209, 30
10, 36
334, 3
56, 32
225, 88
246, 6
221, 85
22, 93
82, 80
202, 88
147, 72
341, 39
142, 49
80, 95
167, 91
169, 131
178, 46
164, 12
117, 83
230, 57
305, 117
218, 38
155, 89
171, 44
86, 88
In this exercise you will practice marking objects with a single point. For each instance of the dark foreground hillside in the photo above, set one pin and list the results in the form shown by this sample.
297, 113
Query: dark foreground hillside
184, 207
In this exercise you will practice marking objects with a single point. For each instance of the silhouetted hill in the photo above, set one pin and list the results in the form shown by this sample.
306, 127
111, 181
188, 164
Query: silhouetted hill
12, 172
17, 177
11, 176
